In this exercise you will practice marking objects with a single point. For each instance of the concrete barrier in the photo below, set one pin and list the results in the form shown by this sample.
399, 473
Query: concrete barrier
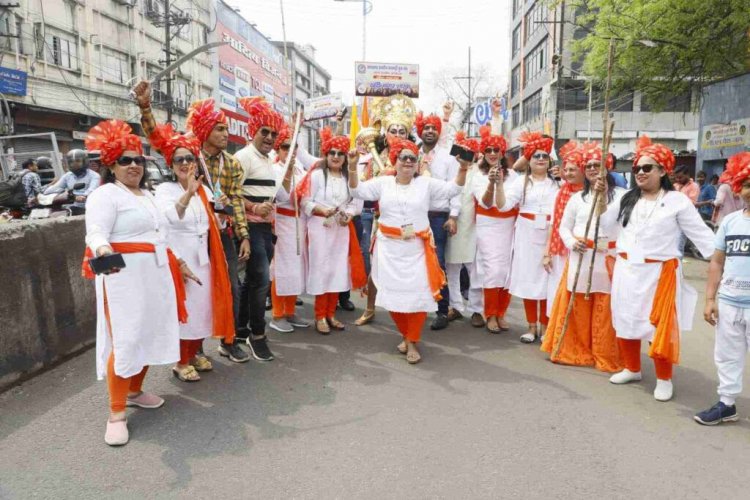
47, 310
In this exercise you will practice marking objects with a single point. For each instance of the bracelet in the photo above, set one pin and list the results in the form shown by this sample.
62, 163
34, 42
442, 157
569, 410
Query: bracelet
181, 205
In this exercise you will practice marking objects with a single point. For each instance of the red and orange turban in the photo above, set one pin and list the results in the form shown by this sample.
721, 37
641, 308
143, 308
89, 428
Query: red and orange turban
533, 141
571, 153
111, 138
465, 142
432, 119
167, 141
261, 115
202, 118
659, 152
398, 145
592, 151
284, 135
328, 141
737, 171
490, 140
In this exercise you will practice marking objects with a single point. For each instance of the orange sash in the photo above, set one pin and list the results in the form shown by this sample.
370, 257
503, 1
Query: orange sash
221, 286
494, 212
356, 261
666, 343
435, 274
174, 268
285, 211
529, 216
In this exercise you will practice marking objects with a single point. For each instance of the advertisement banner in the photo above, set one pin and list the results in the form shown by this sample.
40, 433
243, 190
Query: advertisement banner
12, 82
384, 79
730, 135
325, 106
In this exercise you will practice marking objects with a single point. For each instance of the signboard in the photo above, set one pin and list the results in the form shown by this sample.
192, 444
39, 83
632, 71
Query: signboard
12, 82
326, 106
483, 111
384, 79
731, 135
237, 127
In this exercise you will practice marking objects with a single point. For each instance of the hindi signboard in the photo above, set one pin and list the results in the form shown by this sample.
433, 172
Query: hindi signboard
325, 106
726, 135
384, 79
12, 81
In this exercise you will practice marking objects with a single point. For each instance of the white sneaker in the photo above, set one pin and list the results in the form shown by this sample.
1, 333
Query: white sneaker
664, 390
625, 377
281, 325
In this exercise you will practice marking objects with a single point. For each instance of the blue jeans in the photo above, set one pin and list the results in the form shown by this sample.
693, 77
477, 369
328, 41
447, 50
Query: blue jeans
367, 219
257, 281
437, 220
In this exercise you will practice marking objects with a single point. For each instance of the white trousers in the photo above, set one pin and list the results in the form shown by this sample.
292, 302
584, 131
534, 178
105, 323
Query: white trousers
730, 351
476, 296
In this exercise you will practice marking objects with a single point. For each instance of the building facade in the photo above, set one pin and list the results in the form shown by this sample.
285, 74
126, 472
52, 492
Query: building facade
548, 91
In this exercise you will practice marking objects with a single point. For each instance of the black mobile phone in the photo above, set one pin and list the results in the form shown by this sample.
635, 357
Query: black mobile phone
107, 263
225, 209
463, 153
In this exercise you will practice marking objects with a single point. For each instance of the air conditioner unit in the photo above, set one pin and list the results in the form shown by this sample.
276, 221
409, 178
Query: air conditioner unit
127, 3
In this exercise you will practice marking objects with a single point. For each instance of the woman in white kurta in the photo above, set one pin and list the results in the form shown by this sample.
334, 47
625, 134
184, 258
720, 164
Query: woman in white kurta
534, 195
650, 300
405, 267
138, 307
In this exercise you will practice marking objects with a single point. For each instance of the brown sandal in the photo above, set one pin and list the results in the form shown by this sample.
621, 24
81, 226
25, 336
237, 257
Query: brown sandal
336, 324
402, 348
187, 374
367, 317
413, 357
321, 326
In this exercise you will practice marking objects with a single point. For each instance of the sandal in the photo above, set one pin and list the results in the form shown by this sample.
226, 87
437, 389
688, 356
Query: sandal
187, 374
321, 326
493, 329
201, 364
504, 325
413, 357
336, 324
367, 317
402, 347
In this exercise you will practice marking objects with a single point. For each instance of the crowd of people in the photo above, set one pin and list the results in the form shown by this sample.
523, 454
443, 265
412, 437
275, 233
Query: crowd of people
597, 267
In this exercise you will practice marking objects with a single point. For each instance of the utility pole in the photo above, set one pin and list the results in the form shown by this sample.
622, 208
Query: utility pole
168, 58
467, 120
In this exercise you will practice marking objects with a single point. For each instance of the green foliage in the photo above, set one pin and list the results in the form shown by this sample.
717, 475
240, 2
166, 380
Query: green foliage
663, 47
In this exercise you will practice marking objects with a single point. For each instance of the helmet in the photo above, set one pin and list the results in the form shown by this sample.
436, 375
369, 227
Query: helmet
44, 163
75, 155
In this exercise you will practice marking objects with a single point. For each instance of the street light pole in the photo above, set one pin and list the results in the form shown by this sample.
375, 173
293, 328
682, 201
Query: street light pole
366, 9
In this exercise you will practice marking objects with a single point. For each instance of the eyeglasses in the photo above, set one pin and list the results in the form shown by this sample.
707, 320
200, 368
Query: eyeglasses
265, 132
183, 159
336, 153
490, 151
593, 166
646, 169
124, 161
408, 158
540, 156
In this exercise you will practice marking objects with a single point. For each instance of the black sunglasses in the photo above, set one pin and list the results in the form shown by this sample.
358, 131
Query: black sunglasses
490, 151
124, 161
183, 159
287, 147
334, 152
540, 156
646, 169
407, 158
265, 132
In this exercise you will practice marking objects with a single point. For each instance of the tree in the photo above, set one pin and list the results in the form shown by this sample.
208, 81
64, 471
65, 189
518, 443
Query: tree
482, 85
663, 48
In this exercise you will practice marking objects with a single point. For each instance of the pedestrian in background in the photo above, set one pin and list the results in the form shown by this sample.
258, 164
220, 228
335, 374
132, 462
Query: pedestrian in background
706, 197
32, 183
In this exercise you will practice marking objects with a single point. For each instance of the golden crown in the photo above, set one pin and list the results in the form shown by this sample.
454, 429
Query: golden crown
396, 109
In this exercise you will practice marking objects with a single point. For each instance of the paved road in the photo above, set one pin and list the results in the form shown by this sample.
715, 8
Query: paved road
344, 416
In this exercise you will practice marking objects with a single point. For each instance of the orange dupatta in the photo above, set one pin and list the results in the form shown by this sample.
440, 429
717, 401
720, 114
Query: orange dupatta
666, 342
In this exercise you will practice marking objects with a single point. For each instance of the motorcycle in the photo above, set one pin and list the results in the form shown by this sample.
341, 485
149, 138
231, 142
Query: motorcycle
57, 204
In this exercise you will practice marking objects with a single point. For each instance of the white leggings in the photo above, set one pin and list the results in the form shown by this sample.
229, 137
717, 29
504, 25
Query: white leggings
476, 297
730, 352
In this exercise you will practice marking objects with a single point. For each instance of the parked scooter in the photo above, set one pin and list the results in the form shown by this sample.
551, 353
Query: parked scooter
57, 205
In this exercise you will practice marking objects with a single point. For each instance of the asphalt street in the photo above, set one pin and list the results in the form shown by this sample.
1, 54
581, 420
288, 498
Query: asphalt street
344, 416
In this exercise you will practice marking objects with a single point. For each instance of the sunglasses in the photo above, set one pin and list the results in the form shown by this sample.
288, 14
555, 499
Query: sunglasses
408, 158
335, 153
490, 151
592, 166
124, 161
265, 132
646, 169
183, 159
287, 147
540, 156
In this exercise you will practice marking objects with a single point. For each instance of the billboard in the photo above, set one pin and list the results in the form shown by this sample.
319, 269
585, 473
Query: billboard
384, 79
326, 106
726, 135
12, 81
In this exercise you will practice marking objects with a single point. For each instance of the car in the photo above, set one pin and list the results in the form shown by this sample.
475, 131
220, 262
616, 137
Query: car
156, 169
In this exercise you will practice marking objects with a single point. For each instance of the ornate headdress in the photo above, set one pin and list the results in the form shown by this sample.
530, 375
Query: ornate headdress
659, 152
261, 115
328, 141
592, 151
203, 117
737, 171
533, 141
167, 141
432, 119
396, 109
463, 141
490, 140
112, 138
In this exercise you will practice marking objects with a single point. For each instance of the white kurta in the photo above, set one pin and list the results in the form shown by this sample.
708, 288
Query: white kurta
462, 247
399, 269
289, 270
528, 279
654, 232
494, 238
328, 246
141, 298
572, 229
189, 237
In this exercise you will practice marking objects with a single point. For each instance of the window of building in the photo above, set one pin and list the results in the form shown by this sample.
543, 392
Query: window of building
516, 40
673, 104
61, 51
535, 19
113, 66
535, 63
70, 14
575, 97
517, 5
515, 81
532, 107
10, 29
516, 115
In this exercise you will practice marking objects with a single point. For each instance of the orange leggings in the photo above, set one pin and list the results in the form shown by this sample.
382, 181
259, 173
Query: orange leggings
325, 305
496, 302
409, 324
532, 315
283, 306
188, 348
630, 351
119, 387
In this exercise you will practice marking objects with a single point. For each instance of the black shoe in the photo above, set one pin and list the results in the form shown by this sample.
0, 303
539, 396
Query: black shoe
234, 352
346, 305
440, 322
717, 414
259, 349
299, 302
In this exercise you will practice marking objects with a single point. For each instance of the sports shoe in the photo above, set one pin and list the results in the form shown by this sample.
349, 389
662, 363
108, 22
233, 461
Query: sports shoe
440, 322
281, 325
297, 322
269, 304
145, 400
717, 414
346, 305
116, 433
234, 352
664, 390
259, 349
299, 302
625, 377
477, 321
